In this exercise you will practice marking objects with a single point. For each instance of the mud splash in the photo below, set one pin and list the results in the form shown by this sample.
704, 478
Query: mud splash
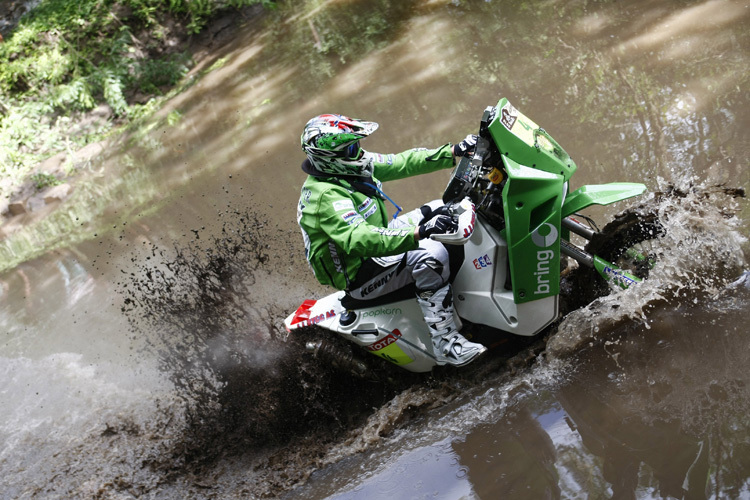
700, 254
246, 392
242, 388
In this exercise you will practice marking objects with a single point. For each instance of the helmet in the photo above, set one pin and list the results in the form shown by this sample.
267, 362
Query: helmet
331, 143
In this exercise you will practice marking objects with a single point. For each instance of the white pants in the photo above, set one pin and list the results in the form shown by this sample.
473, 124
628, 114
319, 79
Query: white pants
426, 267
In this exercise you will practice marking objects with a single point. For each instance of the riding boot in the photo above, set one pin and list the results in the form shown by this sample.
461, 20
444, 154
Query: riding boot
450, 346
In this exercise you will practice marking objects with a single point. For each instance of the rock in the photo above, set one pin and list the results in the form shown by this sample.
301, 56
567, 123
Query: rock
17, 208
53, 164
35, 203
83, 156
56, 193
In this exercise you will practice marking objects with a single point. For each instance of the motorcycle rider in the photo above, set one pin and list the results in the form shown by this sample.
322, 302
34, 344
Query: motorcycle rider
349, 242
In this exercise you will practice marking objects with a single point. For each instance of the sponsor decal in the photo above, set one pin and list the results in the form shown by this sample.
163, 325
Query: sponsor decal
343, 205
547, 240
385, 231
468, 230
364, 205
388, 159
352, 217
620, 278
543, 257
384, 342
371, 211
383, 312
335, 257
315, 319
304, 199
508, 116
482, 262
374, 285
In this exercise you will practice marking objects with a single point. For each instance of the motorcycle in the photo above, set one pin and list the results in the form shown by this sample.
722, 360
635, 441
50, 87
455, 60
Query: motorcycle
515, 216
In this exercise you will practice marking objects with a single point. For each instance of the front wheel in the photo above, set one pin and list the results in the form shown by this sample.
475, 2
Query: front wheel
630, 241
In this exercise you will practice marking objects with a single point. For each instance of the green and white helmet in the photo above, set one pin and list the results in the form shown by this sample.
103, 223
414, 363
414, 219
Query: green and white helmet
331, 143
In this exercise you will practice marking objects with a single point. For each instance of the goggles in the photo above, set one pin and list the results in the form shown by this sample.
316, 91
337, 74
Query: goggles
353, 151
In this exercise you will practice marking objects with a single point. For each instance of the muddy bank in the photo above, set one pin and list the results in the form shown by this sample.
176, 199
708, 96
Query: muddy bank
51, 183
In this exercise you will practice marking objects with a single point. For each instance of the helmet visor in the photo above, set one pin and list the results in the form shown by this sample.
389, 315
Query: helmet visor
353, 151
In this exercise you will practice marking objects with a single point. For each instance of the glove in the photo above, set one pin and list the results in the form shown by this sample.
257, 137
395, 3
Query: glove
440, 224
428, 213
466, 147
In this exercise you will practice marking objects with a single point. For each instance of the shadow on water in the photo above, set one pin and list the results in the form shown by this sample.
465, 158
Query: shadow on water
649, 87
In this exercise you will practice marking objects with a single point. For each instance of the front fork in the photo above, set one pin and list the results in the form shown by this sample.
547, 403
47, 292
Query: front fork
607, 270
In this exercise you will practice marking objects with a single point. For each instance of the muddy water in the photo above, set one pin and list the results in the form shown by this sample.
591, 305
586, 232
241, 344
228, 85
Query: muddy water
141, 352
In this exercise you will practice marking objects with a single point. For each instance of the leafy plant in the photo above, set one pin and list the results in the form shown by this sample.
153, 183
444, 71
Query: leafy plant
43, 180
66, 57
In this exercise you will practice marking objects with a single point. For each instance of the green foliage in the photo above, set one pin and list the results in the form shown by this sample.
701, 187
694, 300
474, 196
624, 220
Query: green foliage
69, 56
150, 76
173, 118
42, 180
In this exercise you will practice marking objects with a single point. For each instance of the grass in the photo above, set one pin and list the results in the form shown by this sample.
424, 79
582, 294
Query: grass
66, 58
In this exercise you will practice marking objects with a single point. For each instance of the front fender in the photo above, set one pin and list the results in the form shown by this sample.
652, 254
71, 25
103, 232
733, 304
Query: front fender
600, 194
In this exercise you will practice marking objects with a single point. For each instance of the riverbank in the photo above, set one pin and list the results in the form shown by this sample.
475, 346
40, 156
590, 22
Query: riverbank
35, 193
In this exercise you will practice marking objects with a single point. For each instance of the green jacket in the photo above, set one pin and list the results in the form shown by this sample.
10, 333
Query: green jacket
343, 227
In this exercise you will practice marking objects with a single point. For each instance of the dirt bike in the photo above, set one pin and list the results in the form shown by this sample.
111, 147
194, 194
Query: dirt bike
515, 216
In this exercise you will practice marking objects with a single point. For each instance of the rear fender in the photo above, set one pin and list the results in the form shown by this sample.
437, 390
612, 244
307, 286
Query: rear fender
395, 332
322, 312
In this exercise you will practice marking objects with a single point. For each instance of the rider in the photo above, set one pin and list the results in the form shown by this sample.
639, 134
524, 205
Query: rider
349, 242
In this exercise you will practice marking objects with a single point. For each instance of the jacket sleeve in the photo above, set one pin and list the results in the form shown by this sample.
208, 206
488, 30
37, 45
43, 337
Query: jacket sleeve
412, 162
353, 235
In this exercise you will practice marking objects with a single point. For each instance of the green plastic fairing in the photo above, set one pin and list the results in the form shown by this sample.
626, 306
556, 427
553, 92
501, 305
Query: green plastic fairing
600, 194
534, 198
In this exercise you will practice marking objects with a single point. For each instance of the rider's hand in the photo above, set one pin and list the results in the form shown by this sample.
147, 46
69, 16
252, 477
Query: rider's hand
440, 224
428, 213
466, 147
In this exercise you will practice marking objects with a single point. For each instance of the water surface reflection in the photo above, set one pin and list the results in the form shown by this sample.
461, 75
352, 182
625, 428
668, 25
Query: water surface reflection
650, 412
